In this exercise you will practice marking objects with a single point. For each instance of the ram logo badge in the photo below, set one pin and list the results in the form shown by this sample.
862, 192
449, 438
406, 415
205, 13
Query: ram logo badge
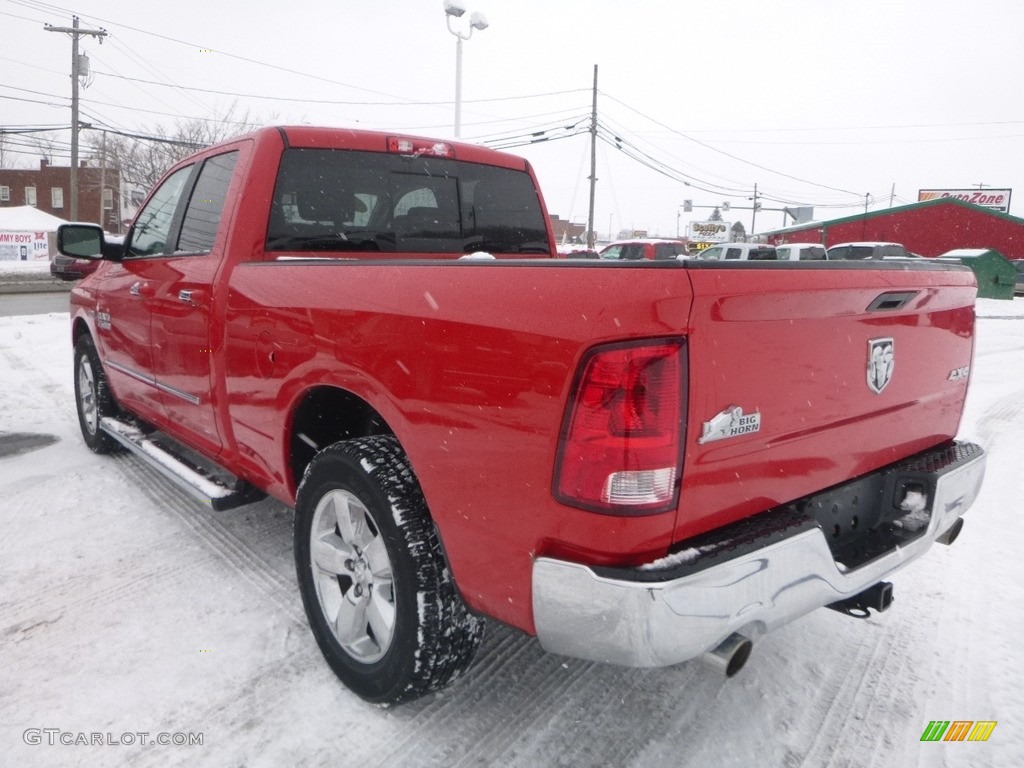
731, 422
881, 361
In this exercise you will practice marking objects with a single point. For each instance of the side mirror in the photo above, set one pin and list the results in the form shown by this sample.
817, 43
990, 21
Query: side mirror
84, 241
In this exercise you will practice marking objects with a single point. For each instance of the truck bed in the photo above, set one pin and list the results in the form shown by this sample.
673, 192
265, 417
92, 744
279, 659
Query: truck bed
465, 364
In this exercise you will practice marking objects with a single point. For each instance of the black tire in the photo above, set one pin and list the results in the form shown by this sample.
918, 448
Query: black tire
378, 595
93, 398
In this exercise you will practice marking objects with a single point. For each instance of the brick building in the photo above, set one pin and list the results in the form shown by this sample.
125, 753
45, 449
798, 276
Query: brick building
572, 233
49, 189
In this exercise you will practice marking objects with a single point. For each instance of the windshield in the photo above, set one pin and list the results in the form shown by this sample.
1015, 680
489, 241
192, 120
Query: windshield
343, 200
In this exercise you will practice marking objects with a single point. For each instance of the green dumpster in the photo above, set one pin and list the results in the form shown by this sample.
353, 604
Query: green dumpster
994, 273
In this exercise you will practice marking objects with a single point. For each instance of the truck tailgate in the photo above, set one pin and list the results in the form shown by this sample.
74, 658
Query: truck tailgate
804, 376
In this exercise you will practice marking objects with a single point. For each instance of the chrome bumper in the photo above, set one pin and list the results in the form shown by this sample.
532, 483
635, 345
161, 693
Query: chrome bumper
623, 617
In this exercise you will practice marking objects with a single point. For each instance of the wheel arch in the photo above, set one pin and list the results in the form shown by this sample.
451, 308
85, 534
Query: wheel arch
80, 328
322, 416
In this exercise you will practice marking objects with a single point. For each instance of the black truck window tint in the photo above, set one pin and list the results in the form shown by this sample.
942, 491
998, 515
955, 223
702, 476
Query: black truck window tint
347, 200
199, 227
153, 224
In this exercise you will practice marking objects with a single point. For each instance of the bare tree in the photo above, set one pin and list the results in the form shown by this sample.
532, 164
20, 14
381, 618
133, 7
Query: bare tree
144, 157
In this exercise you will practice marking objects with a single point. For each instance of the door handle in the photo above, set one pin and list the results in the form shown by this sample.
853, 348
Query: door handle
190, 296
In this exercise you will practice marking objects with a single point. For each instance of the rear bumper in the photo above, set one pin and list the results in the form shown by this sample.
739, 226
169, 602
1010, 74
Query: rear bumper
748, 578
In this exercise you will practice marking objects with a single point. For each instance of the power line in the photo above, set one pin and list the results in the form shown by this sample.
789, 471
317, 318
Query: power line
728, 154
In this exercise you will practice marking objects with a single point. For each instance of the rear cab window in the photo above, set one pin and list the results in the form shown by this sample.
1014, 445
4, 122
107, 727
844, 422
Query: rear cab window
352, 200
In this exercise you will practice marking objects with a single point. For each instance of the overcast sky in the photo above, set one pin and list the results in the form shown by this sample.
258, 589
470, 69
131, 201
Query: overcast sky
817, 102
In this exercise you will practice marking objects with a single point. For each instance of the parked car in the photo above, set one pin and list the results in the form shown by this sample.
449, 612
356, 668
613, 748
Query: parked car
744, 251
67, 268
1018, 286
652, 249
801, 252
867, 250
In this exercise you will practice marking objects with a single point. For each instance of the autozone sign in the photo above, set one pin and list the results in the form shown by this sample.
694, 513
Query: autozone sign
997, 199
709, 231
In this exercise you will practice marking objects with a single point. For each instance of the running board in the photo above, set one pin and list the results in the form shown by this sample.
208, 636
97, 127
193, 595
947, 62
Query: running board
194, 474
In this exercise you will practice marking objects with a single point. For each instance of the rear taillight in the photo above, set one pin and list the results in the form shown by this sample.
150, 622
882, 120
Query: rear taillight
619, 451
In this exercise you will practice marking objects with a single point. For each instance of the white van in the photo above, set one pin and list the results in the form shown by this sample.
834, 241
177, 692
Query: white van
751, 251
800, 252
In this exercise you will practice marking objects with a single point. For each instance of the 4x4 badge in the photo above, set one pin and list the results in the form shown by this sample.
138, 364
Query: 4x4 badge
731, 422
881, 361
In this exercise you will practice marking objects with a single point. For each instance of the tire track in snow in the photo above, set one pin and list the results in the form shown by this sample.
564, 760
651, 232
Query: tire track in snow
82, 591
518, 705
994, 423
834, 703
212, 530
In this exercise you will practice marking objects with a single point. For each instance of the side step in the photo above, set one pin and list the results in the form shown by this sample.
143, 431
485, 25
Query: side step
191, 472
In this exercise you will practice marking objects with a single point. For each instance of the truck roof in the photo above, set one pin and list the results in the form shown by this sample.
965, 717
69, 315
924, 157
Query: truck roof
323, 137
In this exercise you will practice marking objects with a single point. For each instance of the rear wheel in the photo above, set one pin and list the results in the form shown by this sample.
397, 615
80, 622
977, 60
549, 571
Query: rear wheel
93, 399
375, 584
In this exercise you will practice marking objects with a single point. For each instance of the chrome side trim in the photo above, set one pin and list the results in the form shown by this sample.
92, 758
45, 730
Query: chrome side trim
188, 398
582, 614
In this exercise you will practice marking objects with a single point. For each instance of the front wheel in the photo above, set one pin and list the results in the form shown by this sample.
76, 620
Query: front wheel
374, 581
93, 398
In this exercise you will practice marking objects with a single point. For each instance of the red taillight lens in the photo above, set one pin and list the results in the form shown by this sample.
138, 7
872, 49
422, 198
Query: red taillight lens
620, 446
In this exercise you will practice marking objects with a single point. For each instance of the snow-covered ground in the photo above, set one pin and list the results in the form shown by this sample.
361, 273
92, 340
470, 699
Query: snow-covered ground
126, 608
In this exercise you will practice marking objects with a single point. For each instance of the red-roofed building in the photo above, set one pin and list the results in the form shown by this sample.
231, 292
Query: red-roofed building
928, 228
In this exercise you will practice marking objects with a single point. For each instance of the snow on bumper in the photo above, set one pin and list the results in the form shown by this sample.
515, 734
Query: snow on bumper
648, 617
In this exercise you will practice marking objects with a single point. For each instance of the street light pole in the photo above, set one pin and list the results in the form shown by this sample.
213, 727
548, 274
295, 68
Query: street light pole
454, 9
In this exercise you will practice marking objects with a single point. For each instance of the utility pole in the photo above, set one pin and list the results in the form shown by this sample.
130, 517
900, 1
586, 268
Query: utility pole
103, 178
753, 215
591, 237
75, 33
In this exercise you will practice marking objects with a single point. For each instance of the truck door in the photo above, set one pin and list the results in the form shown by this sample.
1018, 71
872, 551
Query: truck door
123, 312
182, 304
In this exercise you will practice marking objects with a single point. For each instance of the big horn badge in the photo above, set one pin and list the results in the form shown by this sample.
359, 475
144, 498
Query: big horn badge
881, 361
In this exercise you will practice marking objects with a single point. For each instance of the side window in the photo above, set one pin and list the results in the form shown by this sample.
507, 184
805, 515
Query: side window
712, 253
732, 253
666, 251
612, 252
153, 225
199, 227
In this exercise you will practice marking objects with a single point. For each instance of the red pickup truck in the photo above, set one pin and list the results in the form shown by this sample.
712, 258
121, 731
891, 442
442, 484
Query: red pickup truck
639, 462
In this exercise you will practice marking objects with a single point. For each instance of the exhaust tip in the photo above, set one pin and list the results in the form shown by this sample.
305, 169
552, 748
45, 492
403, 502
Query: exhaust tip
952, 534
730, 655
